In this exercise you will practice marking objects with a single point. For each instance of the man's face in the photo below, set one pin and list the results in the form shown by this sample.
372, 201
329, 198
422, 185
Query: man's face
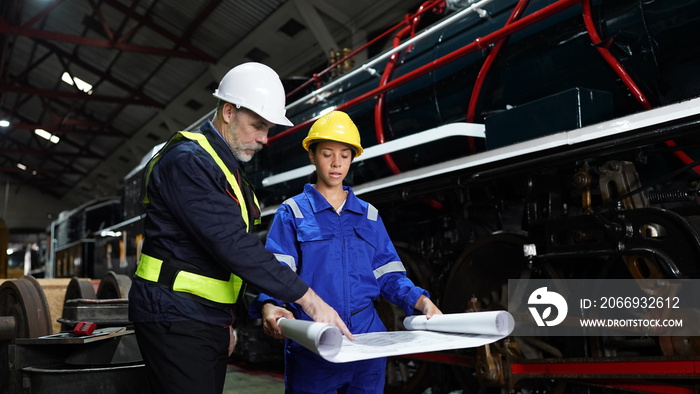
246, 134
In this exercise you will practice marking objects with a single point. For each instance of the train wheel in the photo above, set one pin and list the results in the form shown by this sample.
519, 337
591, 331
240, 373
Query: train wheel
113, 286
79, 289
639, 267
478, 281
403, 374
25, 309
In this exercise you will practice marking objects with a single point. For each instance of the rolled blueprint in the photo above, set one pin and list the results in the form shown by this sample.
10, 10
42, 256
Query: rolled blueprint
441, 332
484, 323
323, 339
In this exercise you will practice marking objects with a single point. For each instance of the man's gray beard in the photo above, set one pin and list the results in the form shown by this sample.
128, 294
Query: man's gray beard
240, 152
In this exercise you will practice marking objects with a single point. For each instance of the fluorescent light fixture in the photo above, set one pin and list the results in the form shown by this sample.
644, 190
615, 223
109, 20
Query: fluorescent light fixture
110, 233
4, 123
46, 135
79, 83
21, 166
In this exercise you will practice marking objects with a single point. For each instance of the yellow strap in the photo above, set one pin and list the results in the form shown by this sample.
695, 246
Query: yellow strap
148, 268
224, 292
204, 143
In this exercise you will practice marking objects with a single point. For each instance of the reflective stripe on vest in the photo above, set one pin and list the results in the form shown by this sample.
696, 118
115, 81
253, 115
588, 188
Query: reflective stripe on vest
201, 139
216, 290
223, 292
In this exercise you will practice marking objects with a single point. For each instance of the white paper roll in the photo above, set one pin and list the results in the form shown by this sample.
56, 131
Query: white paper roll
321, 338
485, 323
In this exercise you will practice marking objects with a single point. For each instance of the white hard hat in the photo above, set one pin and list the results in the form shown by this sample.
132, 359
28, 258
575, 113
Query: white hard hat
256, 87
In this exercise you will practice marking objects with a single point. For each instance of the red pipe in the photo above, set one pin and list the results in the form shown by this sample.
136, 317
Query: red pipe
477, 44
517, 11
386, 76
609, 58
379, 105
476, 91
316, 77
626, 79
633, 368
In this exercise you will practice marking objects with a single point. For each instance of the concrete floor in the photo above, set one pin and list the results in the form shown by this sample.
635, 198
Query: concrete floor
258, 379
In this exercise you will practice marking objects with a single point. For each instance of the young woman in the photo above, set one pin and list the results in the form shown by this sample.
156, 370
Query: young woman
338, 244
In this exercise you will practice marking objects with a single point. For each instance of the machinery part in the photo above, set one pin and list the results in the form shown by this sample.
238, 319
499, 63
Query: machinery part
121, 379
113, 312
674, 195
256, 87
79, 288
675, 246
109, 309
679, 346
113, 286
617, 178
403, 374
583, 181
24, 312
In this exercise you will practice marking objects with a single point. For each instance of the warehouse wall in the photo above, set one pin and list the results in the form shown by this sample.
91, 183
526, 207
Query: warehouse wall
19, 208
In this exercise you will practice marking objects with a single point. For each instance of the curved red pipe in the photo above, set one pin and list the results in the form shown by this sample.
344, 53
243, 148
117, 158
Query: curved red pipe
411, 23
626, 79
478, 84
517, 11
379, 104
386, 76
316, 77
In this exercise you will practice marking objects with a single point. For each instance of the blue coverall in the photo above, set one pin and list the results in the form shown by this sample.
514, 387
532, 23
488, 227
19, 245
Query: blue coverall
349, 260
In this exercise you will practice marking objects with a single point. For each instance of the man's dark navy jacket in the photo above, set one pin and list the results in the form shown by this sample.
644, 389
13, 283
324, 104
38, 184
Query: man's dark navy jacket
192, 216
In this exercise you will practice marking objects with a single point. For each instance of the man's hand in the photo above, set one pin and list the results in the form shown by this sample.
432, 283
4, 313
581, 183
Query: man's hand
427, 307
232, 340
270, 314
315, 307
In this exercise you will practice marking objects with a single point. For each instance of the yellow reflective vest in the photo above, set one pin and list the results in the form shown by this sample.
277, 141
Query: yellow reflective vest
207, 288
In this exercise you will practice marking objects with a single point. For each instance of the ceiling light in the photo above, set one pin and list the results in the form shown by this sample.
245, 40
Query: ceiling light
46, 135
79, 83
21, 166
4, 123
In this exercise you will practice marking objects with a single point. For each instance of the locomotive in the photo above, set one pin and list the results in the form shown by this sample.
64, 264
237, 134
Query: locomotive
564, 128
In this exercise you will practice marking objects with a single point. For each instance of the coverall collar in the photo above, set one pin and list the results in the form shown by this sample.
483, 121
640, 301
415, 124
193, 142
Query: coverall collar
319, 203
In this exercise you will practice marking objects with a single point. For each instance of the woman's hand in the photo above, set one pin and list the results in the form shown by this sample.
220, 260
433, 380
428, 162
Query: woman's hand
427, 307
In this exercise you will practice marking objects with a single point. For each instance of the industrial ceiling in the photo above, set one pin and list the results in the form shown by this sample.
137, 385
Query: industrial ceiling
91, 86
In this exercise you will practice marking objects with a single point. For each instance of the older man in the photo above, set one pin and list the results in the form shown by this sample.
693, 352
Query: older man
198, 248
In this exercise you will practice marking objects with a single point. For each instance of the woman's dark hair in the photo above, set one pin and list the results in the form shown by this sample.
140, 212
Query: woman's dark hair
313, 177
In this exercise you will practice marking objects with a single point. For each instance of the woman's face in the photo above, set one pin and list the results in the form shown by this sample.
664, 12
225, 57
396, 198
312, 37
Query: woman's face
332, 160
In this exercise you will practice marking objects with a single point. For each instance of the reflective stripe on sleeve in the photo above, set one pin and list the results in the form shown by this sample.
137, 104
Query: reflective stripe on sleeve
295, 208
287, 259
372, 212
394, 266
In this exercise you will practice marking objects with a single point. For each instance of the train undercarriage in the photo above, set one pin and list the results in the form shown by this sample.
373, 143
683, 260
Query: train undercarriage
628, 211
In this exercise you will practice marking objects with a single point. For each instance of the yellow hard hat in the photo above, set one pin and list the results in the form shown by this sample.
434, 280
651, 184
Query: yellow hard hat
334, 126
